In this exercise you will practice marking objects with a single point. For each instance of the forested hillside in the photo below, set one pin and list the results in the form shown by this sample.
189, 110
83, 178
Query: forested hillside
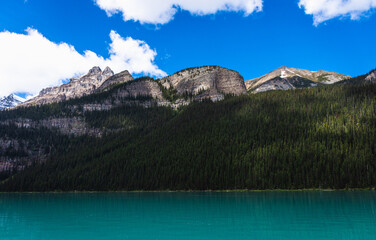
321, 137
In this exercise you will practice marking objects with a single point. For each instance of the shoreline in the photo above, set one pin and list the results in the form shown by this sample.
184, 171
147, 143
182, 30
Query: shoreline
202, 191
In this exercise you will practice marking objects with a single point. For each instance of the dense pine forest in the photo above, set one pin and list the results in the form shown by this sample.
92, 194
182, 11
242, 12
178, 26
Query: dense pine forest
321, 137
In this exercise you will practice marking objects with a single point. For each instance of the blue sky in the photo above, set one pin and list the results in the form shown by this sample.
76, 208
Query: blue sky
282, 34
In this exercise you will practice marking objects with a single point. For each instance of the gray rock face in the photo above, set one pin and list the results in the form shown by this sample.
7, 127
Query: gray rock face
31, 152
77, 87
206, 82
274, 84
371, 77
112, 79
107, 73
143, 88
131, 93
284, 84
68, 126
299, 78
95, 71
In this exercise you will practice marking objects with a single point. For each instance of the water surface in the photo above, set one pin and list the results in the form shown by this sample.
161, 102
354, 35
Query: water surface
234, 215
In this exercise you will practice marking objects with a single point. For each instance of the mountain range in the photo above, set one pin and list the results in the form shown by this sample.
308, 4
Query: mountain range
200, 128
209, 82
205, 82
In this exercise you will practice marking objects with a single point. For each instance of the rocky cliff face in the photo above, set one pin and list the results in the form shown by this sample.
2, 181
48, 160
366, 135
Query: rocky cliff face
146, 87
371, 77
205, 82
298, 78
113, 80
77, 87
30, 152
10, 101
274, 84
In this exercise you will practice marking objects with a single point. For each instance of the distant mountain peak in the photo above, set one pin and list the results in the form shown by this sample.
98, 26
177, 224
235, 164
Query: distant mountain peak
95, 71
371, 76
10, 101
108, 72
75, 88
300, 78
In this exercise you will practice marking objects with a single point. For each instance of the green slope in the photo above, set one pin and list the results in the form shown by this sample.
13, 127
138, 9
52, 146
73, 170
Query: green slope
312, 138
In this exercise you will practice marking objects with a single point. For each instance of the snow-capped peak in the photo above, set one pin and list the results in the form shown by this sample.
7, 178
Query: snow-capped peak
18, 98
10, 101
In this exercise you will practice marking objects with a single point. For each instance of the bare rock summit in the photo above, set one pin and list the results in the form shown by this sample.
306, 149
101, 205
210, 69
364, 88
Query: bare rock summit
285, 78
116, 79
209, 82
75, 88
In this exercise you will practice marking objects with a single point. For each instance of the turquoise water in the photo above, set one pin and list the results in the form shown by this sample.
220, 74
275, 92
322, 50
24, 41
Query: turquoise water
242, 215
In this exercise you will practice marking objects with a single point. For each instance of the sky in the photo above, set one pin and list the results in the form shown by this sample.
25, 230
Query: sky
45, 42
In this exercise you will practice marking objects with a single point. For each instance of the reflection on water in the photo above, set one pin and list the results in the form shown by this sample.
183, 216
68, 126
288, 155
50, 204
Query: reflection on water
234, 215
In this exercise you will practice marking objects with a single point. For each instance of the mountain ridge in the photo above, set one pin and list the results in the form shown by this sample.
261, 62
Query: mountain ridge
198, 83
309, 79
196, 129
75, 88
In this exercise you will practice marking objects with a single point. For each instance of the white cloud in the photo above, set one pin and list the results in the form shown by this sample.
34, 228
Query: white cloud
30, 62
163, 11
323, 10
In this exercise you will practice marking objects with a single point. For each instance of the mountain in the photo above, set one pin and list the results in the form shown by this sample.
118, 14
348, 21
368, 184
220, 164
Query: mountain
371, 77
285, 78
104, 91
65, 109
206, 82
113, 79
196, 129
209, 82
75, 88
362, 79
10, 101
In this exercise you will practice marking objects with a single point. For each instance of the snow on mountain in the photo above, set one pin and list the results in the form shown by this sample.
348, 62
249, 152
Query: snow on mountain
10, 101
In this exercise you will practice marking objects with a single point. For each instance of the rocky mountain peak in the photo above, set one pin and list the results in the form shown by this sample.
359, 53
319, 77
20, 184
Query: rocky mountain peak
10, 101
77, 87
112, 79
108, 72
299, 78
95, 71
206, 82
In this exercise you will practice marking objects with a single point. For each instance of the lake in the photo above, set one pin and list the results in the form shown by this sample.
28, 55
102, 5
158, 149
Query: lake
232, 215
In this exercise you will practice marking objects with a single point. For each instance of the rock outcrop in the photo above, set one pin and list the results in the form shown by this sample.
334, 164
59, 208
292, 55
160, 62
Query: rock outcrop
77, 87
206, 82
298, 78
145, 87
113, 80
371, 77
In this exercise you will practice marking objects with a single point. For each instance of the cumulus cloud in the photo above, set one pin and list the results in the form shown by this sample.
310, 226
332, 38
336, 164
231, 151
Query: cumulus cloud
30, 62
323, 10
163, 11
